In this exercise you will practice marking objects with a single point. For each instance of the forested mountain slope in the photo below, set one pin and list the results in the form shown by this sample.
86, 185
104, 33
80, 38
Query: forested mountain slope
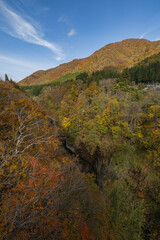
43, 194
146, 71
113, 124
117, 55
108, 186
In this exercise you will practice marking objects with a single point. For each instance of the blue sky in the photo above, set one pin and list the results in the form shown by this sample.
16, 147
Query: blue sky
40, 34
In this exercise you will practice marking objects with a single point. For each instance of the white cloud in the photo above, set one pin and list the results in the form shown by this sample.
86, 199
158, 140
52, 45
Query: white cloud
18, 62
63, 19
149, 31
15, 25
144, 34
72, 32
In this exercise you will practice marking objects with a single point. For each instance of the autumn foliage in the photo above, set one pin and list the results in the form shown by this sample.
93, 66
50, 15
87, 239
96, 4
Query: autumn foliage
113, 125
43, 193
117, 55
82, 162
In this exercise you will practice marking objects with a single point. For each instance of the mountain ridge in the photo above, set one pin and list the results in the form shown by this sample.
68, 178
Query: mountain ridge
118, 55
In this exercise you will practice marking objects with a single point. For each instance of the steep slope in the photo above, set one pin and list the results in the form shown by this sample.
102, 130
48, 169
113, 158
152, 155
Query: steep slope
118, 55
39, 186
146, 71
113, 126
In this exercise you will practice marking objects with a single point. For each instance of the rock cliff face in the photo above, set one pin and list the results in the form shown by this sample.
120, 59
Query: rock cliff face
118, 55
88, 163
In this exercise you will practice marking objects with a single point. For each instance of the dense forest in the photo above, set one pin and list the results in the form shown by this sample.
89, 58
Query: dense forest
147, 71
80, 156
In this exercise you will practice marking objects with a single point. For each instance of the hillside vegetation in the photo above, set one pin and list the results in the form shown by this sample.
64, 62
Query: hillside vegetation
80, 155
146, 71
34, 90
43, 194
113, 124
116, 55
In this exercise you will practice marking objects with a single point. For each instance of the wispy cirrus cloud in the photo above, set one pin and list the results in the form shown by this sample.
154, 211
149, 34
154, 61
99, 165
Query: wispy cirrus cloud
15, 25
145, 33
150, 30
72, 32
18, 62
65, 20
18, 68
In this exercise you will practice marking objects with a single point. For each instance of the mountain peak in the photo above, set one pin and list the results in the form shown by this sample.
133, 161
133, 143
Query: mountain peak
118, 55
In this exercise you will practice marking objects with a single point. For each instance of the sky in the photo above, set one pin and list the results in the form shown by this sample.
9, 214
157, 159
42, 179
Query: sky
41, 34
